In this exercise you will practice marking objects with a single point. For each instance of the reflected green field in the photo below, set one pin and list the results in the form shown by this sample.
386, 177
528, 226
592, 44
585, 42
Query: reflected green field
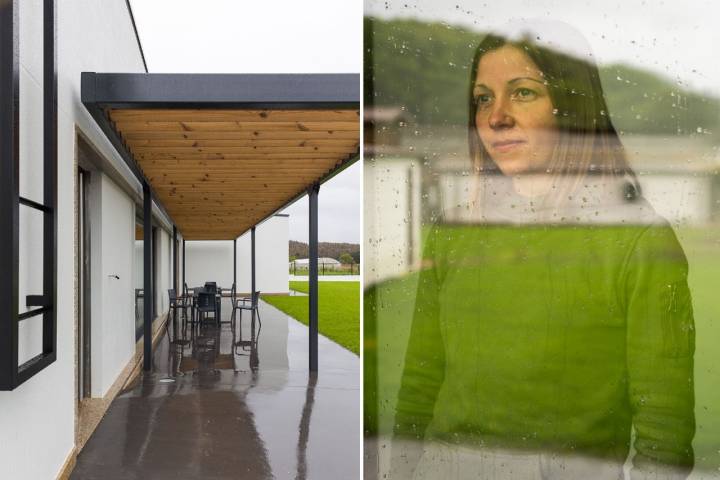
389, 309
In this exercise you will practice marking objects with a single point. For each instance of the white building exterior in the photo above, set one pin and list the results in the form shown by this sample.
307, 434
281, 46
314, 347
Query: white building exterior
38, 418
212, 260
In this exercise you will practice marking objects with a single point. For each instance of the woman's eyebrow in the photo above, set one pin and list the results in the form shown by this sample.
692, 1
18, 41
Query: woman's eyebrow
515, 80
510, 82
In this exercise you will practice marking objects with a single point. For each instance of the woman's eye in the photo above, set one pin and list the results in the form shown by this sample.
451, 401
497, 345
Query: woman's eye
483, 100
525, 94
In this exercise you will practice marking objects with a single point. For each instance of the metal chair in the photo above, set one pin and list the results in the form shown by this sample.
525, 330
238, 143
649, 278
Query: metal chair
245, 303
233, 294
249, 347
178, 303
206, 303
211, 287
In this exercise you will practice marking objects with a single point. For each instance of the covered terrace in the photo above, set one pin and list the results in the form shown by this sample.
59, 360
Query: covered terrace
220, 154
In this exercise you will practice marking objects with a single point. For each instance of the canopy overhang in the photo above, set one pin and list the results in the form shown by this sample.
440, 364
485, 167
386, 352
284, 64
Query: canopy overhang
221, 153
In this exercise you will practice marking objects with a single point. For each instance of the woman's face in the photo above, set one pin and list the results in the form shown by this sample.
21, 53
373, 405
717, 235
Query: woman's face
514, 114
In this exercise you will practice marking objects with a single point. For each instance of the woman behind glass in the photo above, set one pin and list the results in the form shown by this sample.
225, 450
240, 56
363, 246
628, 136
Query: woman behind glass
555, 318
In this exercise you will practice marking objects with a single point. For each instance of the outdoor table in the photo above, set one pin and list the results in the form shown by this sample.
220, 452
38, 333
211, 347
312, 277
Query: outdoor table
193, 294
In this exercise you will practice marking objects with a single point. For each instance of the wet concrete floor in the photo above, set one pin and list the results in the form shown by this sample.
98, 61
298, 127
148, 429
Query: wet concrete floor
213, 410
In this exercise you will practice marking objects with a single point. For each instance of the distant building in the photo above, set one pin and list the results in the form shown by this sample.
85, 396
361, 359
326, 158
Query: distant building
323, 262
382, 126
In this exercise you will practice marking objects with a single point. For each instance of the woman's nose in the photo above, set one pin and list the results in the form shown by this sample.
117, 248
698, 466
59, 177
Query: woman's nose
500, 116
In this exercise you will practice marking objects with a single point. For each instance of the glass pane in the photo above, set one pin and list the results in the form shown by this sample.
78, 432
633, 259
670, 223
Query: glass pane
31, 100
139, 280
541, 222
30, 335
30, 260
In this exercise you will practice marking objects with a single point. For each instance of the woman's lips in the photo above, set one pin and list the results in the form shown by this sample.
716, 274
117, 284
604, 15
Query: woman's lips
506, 145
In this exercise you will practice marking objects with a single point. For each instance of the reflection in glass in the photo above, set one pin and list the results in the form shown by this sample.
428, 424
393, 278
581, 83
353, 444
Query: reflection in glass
138, 279
550, 331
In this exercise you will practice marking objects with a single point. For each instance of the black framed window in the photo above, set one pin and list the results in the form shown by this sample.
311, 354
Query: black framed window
15, 210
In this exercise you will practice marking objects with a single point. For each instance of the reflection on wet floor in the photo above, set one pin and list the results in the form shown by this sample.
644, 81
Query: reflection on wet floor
217, 408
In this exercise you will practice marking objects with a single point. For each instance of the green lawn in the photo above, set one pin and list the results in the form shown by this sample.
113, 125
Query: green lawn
339, 310
389, 309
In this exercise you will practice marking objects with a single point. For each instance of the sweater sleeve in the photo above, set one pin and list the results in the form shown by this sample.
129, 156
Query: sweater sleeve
660, 349
424, 367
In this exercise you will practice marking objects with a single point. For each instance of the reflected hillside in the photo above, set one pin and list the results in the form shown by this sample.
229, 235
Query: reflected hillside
405, 51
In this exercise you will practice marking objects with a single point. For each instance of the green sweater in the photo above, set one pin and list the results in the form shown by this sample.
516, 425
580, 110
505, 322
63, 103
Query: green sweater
553, 338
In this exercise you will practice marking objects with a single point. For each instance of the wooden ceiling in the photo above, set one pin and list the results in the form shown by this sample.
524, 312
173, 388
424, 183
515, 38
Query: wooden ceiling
218, 172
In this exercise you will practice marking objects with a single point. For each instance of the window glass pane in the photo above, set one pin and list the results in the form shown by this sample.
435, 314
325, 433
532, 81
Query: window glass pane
541, 217
30, 336
31, 100
138, 272
30, 260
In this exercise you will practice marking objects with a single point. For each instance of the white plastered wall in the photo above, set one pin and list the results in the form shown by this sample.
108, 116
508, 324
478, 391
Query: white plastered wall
112, 310
271, 257
212, 260
37, 420
209, 261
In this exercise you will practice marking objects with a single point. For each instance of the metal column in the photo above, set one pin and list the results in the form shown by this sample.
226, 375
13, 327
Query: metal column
175, 260
313, 275
235, 265
252, 261
183, 251
148, 287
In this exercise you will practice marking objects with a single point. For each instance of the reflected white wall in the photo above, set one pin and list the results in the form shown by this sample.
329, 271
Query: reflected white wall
392, 218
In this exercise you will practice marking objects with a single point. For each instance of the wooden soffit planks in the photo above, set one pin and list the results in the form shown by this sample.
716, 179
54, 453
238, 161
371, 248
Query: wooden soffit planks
218, 172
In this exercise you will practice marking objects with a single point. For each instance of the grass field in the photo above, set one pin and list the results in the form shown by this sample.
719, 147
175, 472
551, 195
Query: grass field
389, 309
339, 310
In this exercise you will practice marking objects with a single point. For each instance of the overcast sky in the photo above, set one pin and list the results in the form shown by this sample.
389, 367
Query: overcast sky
677, 39
230, 36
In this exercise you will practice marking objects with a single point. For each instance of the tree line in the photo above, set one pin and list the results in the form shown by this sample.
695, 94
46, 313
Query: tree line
424, 68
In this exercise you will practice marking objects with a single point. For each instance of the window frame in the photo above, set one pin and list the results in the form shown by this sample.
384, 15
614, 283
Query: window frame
13, 374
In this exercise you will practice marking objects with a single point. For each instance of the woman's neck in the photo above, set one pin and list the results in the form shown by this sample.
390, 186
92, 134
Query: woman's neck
532, 185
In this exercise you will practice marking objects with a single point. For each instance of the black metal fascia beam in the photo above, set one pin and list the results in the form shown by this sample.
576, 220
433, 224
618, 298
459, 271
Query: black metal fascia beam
88, 94
259, 91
